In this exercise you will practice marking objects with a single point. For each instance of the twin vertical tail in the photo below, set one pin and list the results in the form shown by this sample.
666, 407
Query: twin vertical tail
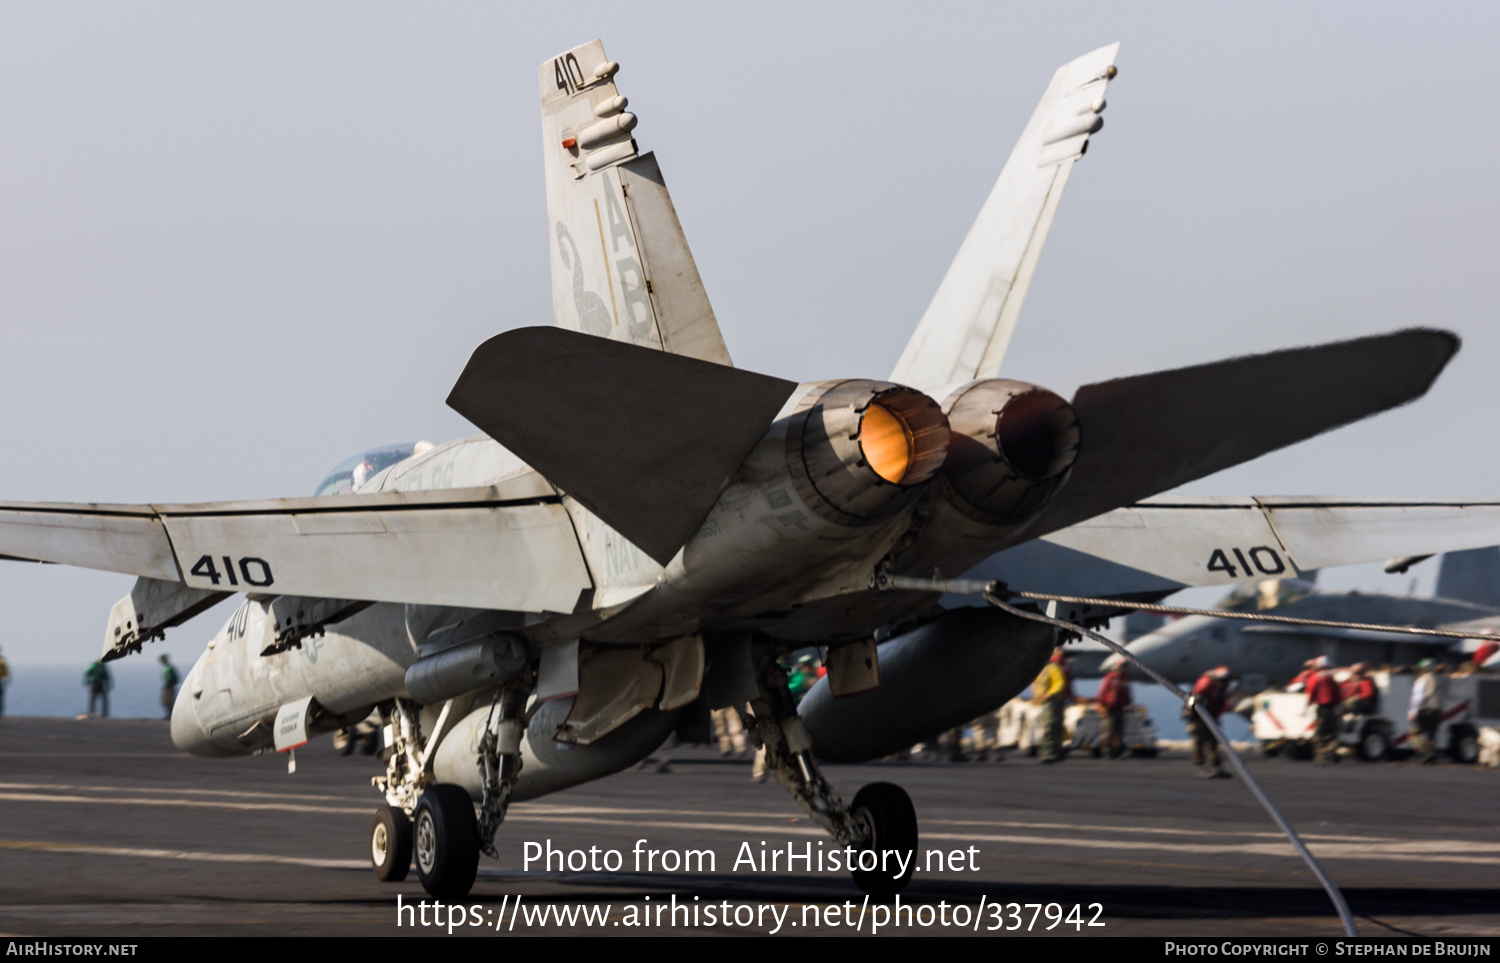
969, 323
621, 267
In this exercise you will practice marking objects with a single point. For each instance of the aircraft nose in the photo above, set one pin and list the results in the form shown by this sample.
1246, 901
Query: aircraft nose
187, 731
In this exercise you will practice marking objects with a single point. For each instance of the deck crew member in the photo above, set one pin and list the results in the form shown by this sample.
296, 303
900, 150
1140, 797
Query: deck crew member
1113, 699
1212, 693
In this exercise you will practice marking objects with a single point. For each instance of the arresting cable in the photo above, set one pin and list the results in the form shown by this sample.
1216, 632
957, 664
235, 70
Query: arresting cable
995, 594
973, 587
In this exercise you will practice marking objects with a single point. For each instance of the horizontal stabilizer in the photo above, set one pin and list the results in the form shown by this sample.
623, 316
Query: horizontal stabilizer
644, 439
1151, 433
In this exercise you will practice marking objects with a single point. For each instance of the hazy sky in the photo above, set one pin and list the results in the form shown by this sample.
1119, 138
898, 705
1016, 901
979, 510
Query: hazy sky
240, 242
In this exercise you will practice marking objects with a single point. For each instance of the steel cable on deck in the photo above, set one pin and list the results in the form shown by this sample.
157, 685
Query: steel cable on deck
973, 587
1246, 616
992, 592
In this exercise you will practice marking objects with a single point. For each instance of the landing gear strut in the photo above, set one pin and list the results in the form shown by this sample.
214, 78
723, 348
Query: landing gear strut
405, 775
435, 821
500, 764
881, 819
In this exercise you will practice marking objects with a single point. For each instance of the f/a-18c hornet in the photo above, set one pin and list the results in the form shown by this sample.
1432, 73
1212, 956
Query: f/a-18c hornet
1466, 597
641, 529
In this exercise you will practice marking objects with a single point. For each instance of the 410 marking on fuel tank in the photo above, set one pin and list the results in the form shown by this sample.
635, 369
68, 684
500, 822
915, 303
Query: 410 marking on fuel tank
1267, 561
206, 567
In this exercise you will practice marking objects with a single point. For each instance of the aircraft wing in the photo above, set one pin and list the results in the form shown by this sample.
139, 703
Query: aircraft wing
506, 546
621, 267
1218, 541
968, 325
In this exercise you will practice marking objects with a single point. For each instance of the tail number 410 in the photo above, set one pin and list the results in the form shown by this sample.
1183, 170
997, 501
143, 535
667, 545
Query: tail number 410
1267, 561
252, 571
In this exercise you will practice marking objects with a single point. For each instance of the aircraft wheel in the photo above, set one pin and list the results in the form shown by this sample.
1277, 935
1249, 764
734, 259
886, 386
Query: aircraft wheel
1374, 744
887, 810
343, 742
1463, 745
390, 844
446, 840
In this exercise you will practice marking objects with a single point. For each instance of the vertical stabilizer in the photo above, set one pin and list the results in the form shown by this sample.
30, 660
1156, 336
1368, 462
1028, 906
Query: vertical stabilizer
621, 268
968, 325
1472, 576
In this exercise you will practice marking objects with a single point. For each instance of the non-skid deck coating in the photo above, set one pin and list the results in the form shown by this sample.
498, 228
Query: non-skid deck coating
105, 829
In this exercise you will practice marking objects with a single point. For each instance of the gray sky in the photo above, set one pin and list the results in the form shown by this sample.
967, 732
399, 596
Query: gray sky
240, 242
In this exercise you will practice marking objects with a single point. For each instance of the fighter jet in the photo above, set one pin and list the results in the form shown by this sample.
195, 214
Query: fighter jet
641, 529
1468, 593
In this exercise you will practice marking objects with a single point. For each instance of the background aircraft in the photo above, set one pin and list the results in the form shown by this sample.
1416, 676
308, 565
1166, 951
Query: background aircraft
828, 596
1262, 654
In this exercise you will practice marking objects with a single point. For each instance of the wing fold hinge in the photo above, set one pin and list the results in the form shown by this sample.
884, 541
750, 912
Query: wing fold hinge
292, 618
153, 606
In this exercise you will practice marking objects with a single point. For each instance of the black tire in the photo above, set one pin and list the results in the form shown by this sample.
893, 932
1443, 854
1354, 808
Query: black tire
1144, 752
1463, 745
887, 810
1374, 744
1300, 751
445, 838
390, 844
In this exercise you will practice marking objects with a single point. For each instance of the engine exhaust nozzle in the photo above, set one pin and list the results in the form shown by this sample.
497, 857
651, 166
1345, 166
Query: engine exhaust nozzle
1012, 447
860, 450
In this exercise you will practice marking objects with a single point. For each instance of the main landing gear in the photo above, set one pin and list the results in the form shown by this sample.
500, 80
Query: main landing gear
881, 823
885, 810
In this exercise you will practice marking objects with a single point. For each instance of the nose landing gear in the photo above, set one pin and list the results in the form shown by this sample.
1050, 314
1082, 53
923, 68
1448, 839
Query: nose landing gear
390, 844
442, 830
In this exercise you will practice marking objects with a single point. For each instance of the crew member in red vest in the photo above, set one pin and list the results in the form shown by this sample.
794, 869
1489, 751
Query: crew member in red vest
1113, 699
1323, 692
1212, 693
1358, 691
